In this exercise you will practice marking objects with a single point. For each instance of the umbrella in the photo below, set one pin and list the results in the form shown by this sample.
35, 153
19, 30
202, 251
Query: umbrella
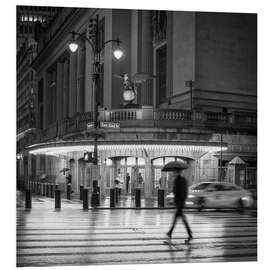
174, 166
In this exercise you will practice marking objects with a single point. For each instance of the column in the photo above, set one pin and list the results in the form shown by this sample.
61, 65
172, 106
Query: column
72, 84
65, 88
148, 190
146, 57
80, 79
59, 89
88, 79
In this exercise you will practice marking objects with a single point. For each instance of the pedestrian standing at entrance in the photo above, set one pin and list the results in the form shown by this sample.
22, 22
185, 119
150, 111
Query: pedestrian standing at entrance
140, 180
69, 179
180, 190
127, 181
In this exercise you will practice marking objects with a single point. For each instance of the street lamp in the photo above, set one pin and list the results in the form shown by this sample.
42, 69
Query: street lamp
94, 43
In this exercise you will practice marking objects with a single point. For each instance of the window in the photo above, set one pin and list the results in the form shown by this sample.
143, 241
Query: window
161, 60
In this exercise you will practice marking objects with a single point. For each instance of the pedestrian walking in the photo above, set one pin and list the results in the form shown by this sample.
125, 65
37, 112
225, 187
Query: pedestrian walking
127, 182
180, 190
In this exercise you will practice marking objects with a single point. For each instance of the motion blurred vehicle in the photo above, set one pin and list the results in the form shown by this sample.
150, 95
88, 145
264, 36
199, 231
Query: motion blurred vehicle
216, 195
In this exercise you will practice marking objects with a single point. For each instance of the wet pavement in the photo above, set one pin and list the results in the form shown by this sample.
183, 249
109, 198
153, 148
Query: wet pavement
73, 236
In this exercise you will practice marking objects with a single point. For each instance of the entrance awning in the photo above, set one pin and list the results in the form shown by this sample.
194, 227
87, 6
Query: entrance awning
62, 147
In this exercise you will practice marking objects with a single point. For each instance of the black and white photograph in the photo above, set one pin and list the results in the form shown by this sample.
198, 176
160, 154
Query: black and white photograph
136, 136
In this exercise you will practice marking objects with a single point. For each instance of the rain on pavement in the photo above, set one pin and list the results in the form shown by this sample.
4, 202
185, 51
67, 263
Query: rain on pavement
73, 236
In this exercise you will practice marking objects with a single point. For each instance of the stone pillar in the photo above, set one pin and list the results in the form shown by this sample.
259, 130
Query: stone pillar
80, 79
59, 89
148, 185
72, 84
146, 57
88, 78
65, 88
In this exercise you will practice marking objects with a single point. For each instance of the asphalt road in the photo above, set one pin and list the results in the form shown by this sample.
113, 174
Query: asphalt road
72, 236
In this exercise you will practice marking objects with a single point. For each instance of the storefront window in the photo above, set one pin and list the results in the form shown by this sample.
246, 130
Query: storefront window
131, 161
141, 161
158, 162
169, 159
108, 162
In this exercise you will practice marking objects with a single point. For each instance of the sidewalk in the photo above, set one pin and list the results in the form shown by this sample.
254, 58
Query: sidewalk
125, 202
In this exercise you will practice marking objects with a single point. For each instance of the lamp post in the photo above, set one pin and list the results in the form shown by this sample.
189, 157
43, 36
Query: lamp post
94, 42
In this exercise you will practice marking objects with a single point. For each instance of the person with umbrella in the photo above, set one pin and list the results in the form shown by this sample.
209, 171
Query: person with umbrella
180, 190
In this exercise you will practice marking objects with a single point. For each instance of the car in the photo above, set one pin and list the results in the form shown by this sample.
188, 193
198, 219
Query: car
216, 195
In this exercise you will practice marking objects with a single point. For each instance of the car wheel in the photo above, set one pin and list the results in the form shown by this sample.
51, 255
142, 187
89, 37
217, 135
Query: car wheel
240, 205
201, 204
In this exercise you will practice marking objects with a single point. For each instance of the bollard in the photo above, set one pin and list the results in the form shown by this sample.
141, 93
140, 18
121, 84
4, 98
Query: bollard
28, 199
68, 191
85, 199
161, 198
137, 198
43, 189
116, 195
51, 190
39, 189
112, 197
57, 198
48, 189
81, 193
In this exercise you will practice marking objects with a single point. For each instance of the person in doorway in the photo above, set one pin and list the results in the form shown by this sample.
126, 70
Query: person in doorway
69, 180
180, 190
140, 180
127, 182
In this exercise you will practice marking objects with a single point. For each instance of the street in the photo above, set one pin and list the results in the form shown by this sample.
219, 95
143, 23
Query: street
72, 236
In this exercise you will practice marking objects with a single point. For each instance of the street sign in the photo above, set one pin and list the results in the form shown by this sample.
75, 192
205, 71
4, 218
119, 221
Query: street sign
90, 125
109, 125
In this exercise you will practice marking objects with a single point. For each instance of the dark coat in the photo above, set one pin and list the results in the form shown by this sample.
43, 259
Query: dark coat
180, 190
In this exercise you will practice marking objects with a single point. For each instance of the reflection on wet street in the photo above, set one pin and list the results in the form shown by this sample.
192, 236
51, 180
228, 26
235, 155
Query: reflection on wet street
71, 236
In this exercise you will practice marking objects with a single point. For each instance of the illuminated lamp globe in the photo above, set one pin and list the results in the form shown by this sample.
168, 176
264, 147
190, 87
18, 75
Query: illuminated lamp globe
118, 53
73, 46
129, 95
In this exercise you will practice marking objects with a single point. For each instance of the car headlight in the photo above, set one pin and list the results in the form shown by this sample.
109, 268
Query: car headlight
190, 196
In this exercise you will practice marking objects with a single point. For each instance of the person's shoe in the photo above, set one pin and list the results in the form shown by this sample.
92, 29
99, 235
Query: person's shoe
190, 237
169, 237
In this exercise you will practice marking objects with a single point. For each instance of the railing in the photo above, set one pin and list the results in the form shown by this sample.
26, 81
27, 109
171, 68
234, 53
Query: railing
170, 114
158, 118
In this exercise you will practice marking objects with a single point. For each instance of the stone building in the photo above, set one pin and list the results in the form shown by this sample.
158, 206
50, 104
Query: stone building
200, 106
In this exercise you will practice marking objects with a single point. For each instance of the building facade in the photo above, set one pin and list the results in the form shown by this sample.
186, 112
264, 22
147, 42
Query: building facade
199, 107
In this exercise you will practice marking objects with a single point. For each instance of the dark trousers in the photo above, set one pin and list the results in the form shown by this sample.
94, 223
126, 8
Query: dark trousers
179, 213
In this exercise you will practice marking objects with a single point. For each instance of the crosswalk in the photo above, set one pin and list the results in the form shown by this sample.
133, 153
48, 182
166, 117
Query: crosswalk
78, 237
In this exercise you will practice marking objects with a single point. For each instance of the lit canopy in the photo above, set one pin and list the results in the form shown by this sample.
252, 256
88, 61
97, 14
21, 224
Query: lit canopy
67, 147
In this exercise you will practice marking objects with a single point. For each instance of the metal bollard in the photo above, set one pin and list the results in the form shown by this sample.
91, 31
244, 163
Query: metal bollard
28, 198
81, 193
44, 189
116, 195
112, 197
57, 198
161, 201
51, 190
48, 190
85, 199
137, 198
68, 191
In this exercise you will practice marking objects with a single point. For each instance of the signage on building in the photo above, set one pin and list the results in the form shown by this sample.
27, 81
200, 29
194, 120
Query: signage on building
90, 125
109, 125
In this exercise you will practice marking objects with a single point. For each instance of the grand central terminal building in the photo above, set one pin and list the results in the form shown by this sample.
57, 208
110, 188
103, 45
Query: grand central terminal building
198, 104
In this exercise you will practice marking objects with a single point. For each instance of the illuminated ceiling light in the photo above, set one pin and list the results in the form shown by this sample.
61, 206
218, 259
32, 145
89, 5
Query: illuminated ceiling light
73, 45
118, 53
